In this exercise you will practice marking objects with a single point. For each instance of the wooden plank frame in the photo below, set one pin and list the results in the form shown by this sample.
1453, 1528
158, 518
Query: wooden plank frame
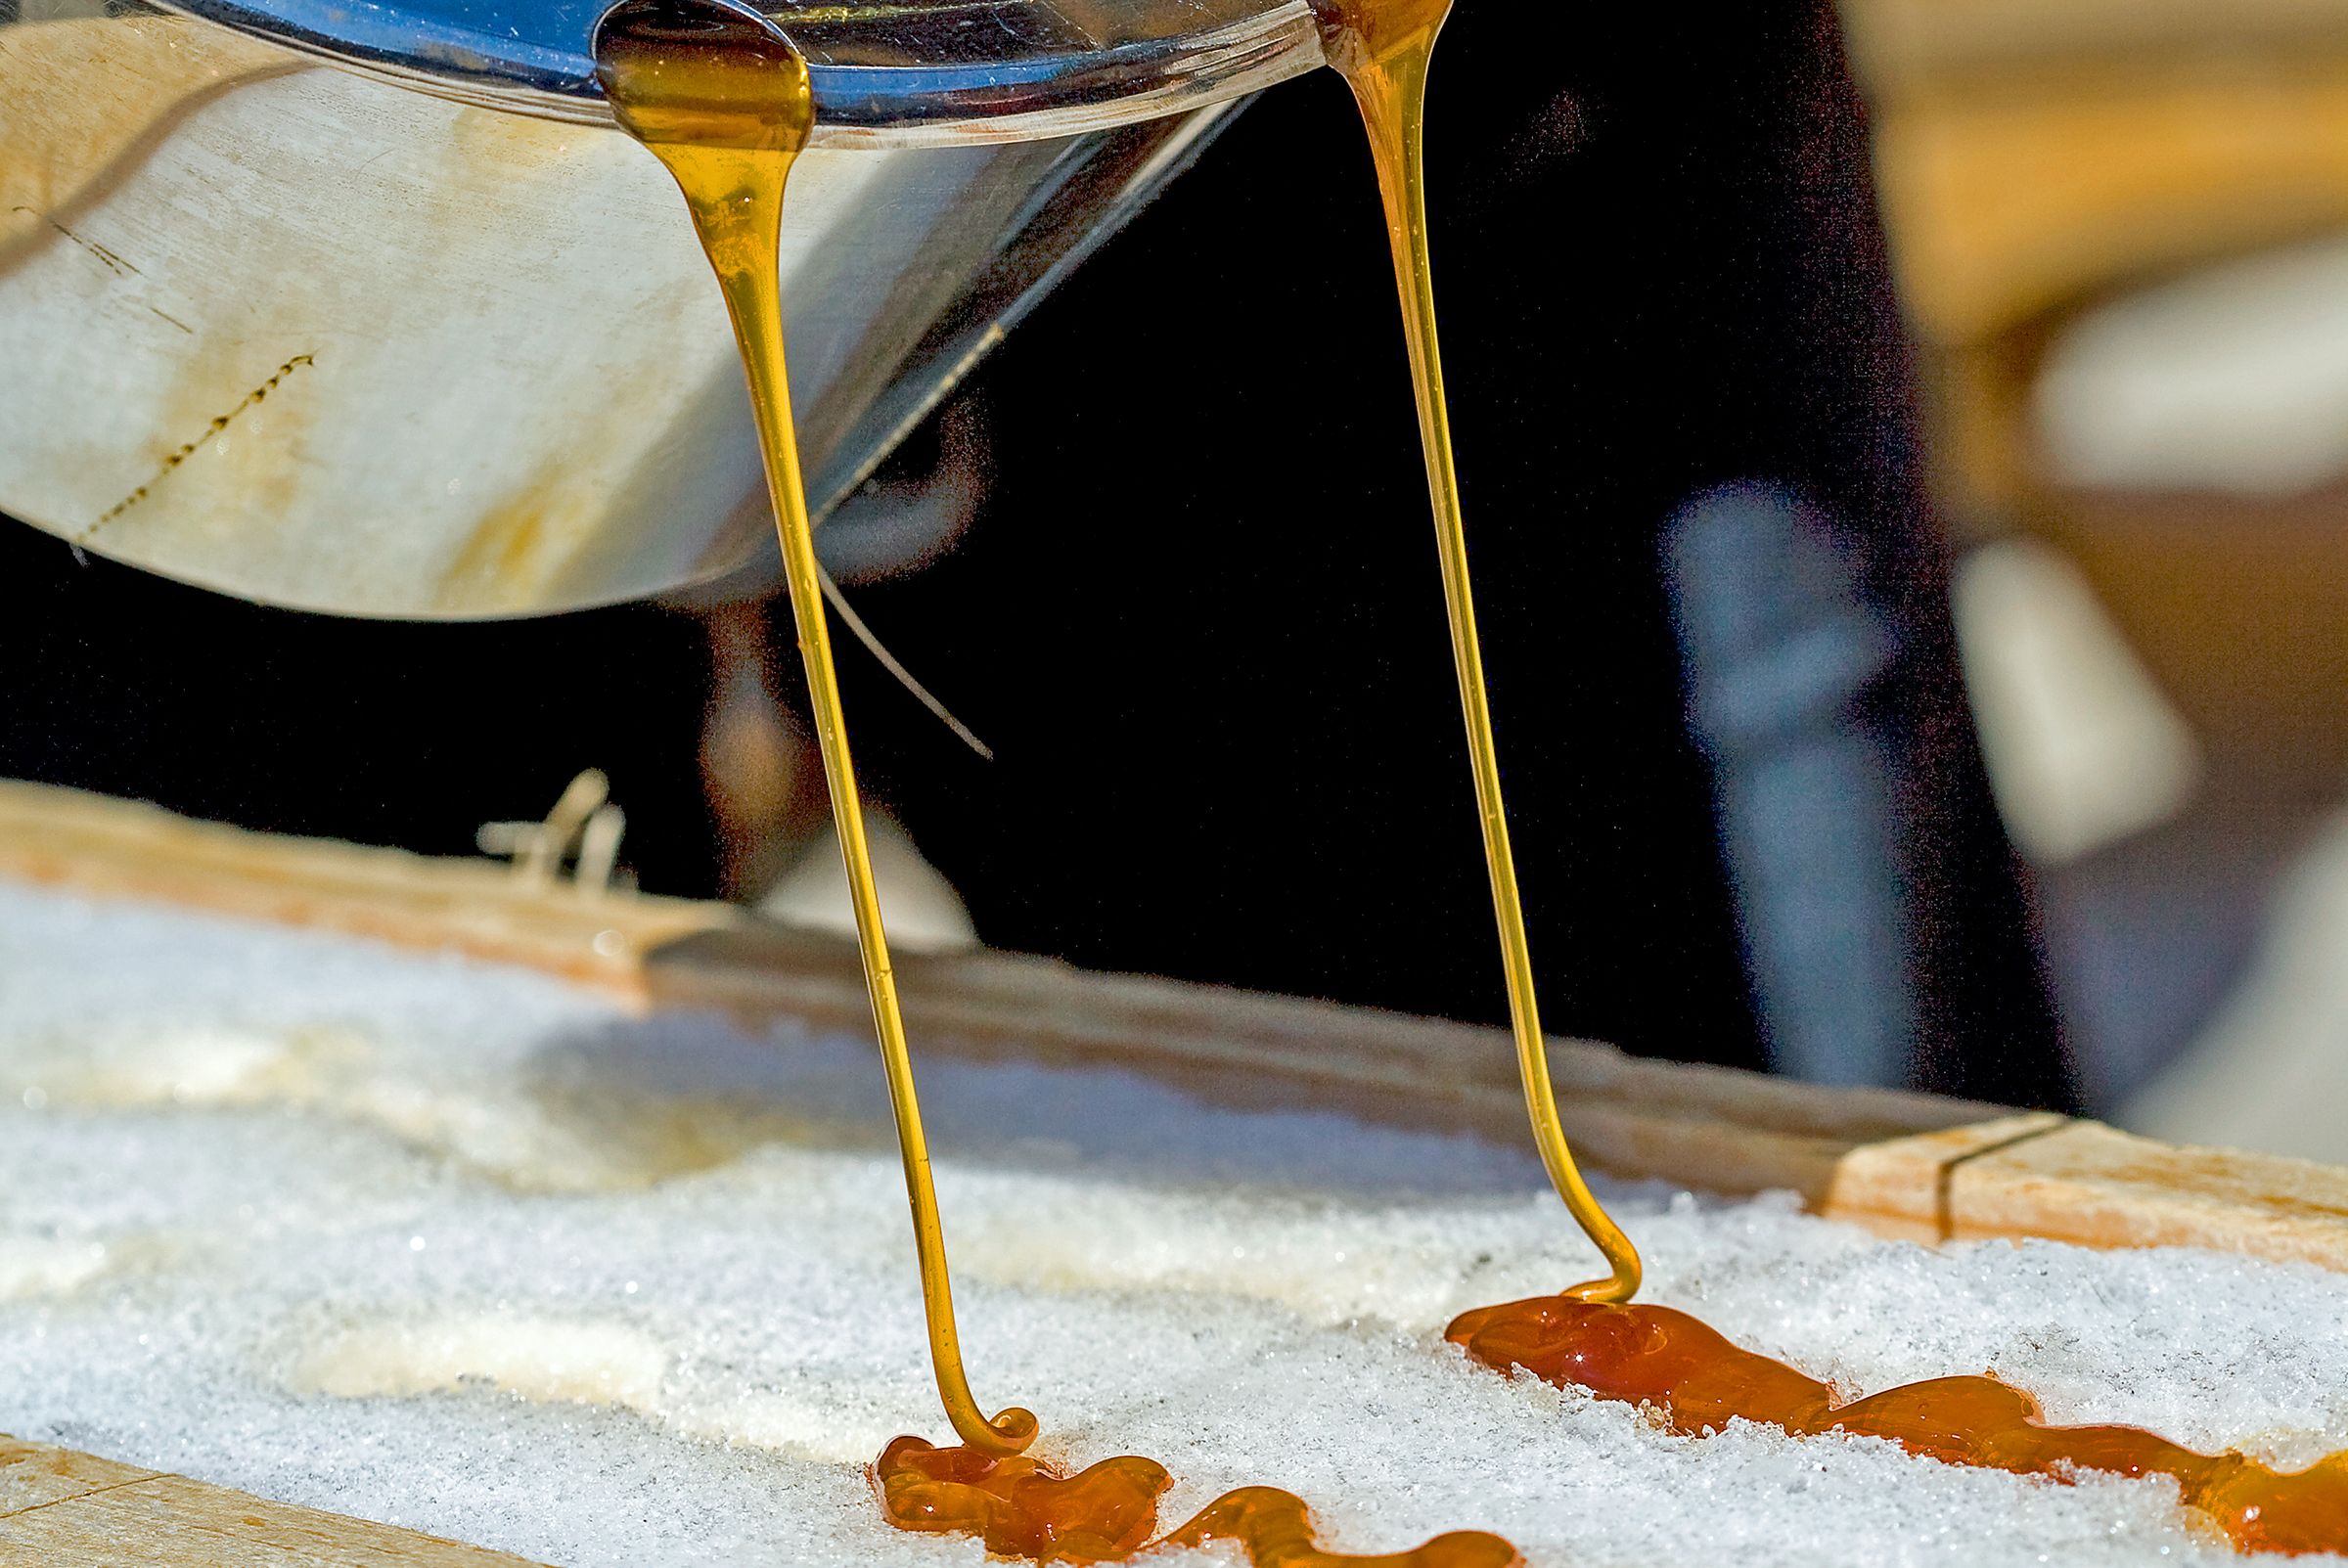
62, 1510
1908, 1165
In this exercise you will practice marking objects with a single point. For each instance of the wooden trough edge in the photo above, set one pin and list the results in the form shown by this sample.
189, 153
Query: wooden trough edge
1901, 1164
62, 1509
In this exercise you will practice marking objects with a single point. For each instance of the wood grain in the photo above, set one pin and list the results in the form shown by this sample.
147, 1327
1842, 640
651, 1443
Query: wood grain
62, 1510
111, 848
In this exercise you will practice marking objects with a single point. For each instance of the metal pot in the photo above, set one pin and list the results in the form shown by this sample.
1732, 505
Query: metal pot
422, 335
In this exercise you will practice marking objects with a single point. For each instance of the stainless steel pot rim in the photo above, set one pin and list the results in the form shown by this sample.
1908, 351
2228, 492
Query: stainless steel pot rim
533, 57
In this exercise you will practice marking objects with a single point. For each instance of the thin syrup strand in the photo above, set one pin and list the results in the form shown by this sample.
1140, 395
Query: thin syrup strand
891, 663
724, 101
1382, 48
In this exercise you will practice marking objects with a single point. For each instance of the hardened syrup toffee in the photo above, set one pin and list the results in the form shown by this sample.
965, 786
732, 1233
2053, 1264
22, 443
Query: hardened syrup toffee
1697, 1380
1107, 1512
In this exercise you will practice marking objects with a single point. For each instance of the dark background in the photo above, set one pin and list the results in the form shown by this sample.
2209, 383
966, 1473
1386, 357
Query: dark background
1198, 615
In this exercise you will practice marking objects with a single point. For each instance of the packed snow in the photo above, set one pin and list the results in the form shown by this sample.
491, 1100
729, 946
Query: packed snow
460, 1248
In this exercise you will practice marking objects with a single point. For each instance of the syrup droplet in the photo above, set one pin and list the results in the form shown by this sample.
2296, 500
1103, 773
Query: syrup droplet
1682, 1367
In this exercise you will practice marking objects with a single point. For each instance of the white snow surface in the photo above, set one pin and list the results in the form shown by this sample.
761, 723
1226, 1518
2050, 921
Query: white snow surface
458, 1247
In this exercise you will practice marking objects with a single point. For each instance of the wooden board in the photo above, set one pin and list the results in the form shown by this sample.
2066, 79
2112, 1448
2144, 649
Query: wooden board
62, 1510
2007, 202
1903, 1164
114, 848
2034, 156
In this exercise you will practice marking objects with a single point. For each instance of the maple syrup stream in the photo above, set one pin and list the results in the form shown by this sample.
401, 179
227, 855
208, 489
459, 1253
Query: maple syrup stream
1382, 48
725, 102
